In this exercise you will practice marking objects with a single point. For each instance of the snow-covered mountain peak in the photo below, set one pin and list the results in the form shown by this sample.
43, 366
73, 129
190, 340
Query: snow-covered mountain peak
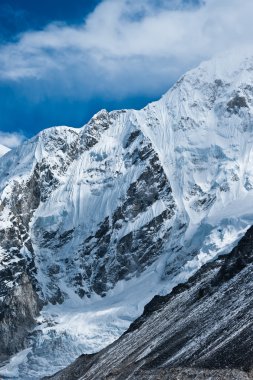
231, 66
205, 119
133, 199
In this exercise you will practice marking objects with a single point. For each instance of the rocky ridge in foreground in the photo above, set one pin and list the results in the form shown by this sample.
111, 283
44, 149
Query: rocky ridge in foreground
203, 330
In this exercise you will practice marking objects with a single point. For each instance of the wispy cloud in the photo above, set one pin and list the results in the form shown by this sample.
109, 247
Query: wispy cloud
11, 140
127, 47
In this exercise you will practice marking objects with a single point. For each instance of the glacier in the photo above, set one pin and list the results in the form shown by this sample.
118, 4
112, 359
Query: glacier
104, 217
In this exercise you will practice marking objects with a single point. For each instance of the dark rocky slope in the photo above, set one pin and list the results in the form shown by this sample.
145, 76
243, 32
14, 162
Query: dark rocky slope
202, 330
18, 312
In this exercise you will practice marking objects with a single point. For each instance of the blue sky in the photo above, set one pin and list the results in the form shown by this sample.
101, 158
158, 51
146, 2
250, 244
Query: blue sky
18, 16
61, 61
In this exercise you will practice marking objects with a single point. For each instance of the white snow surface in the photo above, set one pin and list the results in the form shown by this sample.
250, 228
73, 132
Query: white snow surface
202, 131
3, 150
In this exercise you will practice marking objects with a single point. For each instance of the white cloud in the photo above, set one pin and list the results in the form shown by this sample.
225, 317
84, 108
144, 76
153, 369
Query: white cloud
11, 140
127, 47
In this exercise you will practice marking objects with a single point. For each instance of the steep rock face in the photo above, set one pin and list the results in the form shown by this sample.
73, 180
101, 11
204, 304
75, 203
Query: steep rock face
113, 211
203, 329
17, 317
28, 177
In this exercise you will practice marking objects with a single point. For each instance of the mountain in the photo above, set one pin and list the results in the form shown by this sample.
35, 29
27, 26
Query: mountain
3, 150
95, 221
201, 330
